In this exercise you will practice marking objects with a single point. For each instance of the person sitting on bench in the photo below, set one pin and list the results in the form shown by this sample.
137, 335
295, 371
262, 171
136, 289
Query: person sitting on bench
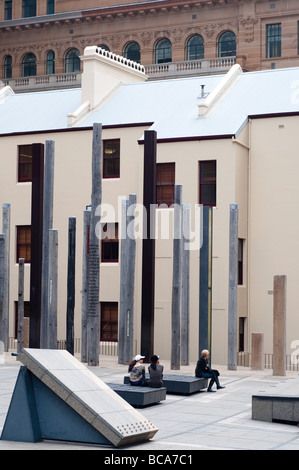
204, 370
137, 371
155, 372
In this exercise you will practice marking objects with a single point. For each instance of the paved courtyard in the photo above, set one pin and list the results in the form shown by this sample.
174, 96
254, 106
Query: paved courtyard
203, 421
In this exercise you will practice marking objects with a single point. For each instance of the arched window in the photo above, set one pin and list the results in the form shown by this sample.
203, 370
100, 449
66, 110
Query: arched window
163, 51
72, 61
195, 47
104, 46
29, 65
132, 51
8, 66
227, 44
50, 62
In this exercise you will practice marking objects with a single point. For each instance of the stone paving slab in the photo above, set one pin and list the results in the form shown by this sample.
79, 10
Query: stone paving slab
205, 421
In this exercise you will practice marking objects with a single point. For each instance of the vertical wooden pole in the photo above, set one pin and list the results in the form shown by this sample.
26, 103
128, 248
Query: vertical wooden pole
52, 289
2, 264
233, 286
130, 279
148, 246
176, 281
205, 286
47, 225
94, 249
36, 243
123, 283
85, 271
71, 286
5, 312
20, 329
185, 286
279, 325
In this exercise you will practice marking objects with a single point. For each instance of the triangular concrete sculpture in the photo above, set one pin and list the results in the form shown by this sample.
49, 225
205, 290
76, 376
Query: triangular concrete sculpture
57, 397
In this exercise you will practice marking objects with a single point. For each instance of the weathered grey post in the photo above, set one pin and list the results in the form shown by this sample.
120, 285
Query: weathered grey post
2, 263
279, 325
205, 282
257, 351
5, 310
94, 249
20, 329
233, 286
123, 283
176, 280
52, 286
47, 225
130, 265
185, 286
71, 286
85, 271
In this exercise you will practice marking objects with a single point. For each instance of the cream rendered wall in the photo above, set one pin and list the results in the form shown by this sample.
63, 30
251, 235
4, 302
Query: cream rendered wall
274, 223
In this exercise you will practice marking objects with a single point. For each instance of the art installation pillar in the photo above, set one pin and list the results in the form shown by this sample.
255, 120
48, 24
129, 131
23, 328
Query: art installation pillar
94, 249
71, 286
6, 287
20, 329
148, 246
36, 243
176, 281
2, 257
47, 225
205, 282
52, 289
279, 325
123, 283
257, 351
185, 286
233, 286
85, 272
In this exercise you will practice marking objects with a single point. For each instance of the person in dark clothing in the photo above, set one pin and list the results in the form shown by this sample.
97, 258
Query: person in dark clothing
204, 370
137, 371
155, 372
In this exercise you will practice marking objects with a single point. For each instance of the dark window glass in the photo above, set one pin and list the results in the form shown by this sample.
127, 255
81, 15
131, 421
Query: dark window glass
163, 51
24, 163
50, 62
29, 65
72, 61
273, 40
110, 243
227, 44
24, 243
207, 183
165, 183
8, 67
50, 7
195, 48
111, 158
29, 8
8, 10
240, 261
132, 51
109, 321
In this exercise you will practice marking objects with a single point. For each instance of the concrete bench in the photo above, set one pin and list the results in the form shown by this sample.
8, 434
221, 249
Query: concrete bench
180, 384
139, 396
276, 408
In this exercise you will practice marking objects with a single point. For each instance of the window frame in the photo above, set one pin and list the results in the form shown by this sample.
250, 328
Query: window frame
20, 164
109, 241
163, 54
134, 53
25, 244
198, 49
29, 65
162, 202
207, 183
113, 338
273, 41
222, 41
106, 158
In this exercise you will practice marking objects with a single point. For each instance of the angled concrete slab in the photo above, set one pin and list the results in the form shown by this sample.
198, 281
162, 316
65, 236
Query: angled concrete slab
56, 376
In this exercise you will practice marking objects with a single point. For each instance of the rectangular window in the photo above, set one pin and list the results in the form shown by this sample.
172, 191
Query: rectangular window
207, 183
273, 40
23, 243
110, 243
24, 163
240, 261
109, 321
111, 158
50, 7
28, 8
165, 183
8, 10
